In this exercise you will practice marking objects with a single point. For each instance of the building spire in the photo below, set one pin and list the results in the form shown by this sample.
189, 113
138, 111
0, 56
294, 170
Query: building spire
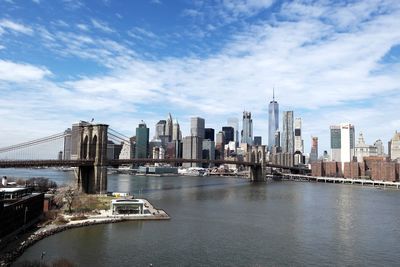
273, 93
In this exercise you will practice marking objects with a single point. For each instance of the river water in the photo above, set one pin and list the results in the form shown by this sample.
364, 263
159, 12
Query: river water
220, 221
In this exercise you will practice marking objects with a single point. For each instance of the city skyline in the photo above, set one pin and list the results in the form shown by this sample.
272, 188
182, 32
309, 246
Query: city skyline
329, 63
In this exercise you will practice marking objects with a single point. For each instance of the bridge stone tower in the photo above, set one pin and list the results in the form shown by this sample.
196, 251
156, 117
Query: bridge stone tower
92, 146
258, 157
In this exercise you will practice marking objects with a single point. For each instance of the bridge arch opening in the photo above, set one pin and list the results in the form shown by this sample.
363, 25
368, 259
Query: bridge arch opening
259, 156
84, 147
92, 149
253, 157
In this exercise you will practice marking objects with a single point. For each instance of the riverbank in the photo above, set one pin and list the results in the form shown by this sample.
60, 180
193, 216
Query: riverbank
336, 180
16, 249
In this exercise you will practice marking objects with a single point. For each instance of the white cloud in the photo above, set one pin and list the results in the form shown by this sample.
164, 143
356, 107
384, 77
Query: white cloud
226, 11
324, 63
101, 26
20, 73
73, 4
246, 7
82, 27
10, 25
141, 33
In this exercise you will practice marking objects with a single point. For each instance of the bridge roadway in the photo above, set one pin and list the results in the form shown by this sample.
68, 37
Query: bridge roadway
118, 162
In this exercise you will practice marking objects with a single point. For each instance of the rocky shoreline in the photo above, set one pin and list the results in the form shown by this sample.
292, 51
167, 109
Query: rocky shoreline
10, 257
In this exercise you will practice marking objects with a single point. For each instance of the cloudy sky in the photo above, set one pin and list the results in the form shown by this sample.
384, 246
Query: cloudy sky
119, 62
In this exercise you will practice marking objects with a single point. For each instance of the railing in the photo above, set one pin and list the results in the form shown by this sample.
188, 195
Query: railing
44, 163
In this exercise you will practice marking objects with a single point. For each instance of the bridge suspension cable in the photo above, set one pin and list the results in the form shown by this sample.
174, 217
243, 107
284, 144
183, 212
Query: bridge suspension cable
33, 142
118, 133
117, 137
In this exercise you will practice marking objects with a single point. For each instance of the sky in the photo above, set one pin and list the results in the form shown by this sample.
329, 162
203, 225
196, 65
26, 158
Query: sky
123, 61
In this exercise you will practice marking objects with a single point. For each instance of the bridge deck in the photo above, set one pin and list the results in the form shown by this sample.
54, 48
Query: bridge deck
118, 162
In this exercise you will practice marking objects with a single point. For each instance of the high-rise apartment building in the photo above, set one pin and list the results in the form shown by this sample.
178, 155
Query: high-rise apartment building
273, 121
287, 137
142, 141
234, 122
247, 132
314, 149
298, 141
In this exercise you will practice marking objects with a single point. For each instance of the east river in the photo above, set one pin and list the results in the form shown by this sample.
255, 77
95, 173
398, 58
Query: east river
220, 221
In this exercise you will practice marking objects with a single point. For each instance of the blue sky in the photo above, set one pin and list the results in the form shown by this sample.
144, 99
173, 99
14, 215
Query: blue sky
123, 61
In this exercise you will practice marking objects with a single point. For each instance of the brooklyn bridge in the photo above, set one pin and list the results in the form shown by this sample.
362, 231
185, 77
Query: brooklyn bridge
91, 160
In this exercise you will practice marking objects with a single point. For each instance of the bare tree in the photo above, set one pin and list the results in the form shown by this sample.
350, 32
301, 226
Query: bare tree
66, 195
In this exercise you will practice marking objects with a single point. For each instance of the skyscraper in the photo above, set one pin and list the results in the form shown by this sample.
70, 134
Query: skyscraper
336, 142
209, 134
298, 141
347, 143
229, 133
234, 122
160, 129
197, 127
380, 148
168, 129
314, 149
395, 147
142, 141
257, 140
247, 132
273, 121
208, 149
176, 131
219, 145
192, 149
277, 141
287, 137
342, 142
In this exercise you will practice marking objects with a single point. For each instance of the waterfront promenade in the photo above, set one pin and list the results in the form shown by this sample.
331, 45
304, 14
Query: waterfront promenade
366, 182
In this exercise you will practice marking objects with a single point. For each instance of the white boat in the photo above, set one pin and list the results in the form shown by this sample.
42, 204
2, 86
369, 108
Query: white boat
192, 171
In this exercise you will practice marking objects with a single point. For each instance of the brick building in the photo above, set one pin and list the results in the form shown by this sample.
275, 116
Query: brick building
375, 168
